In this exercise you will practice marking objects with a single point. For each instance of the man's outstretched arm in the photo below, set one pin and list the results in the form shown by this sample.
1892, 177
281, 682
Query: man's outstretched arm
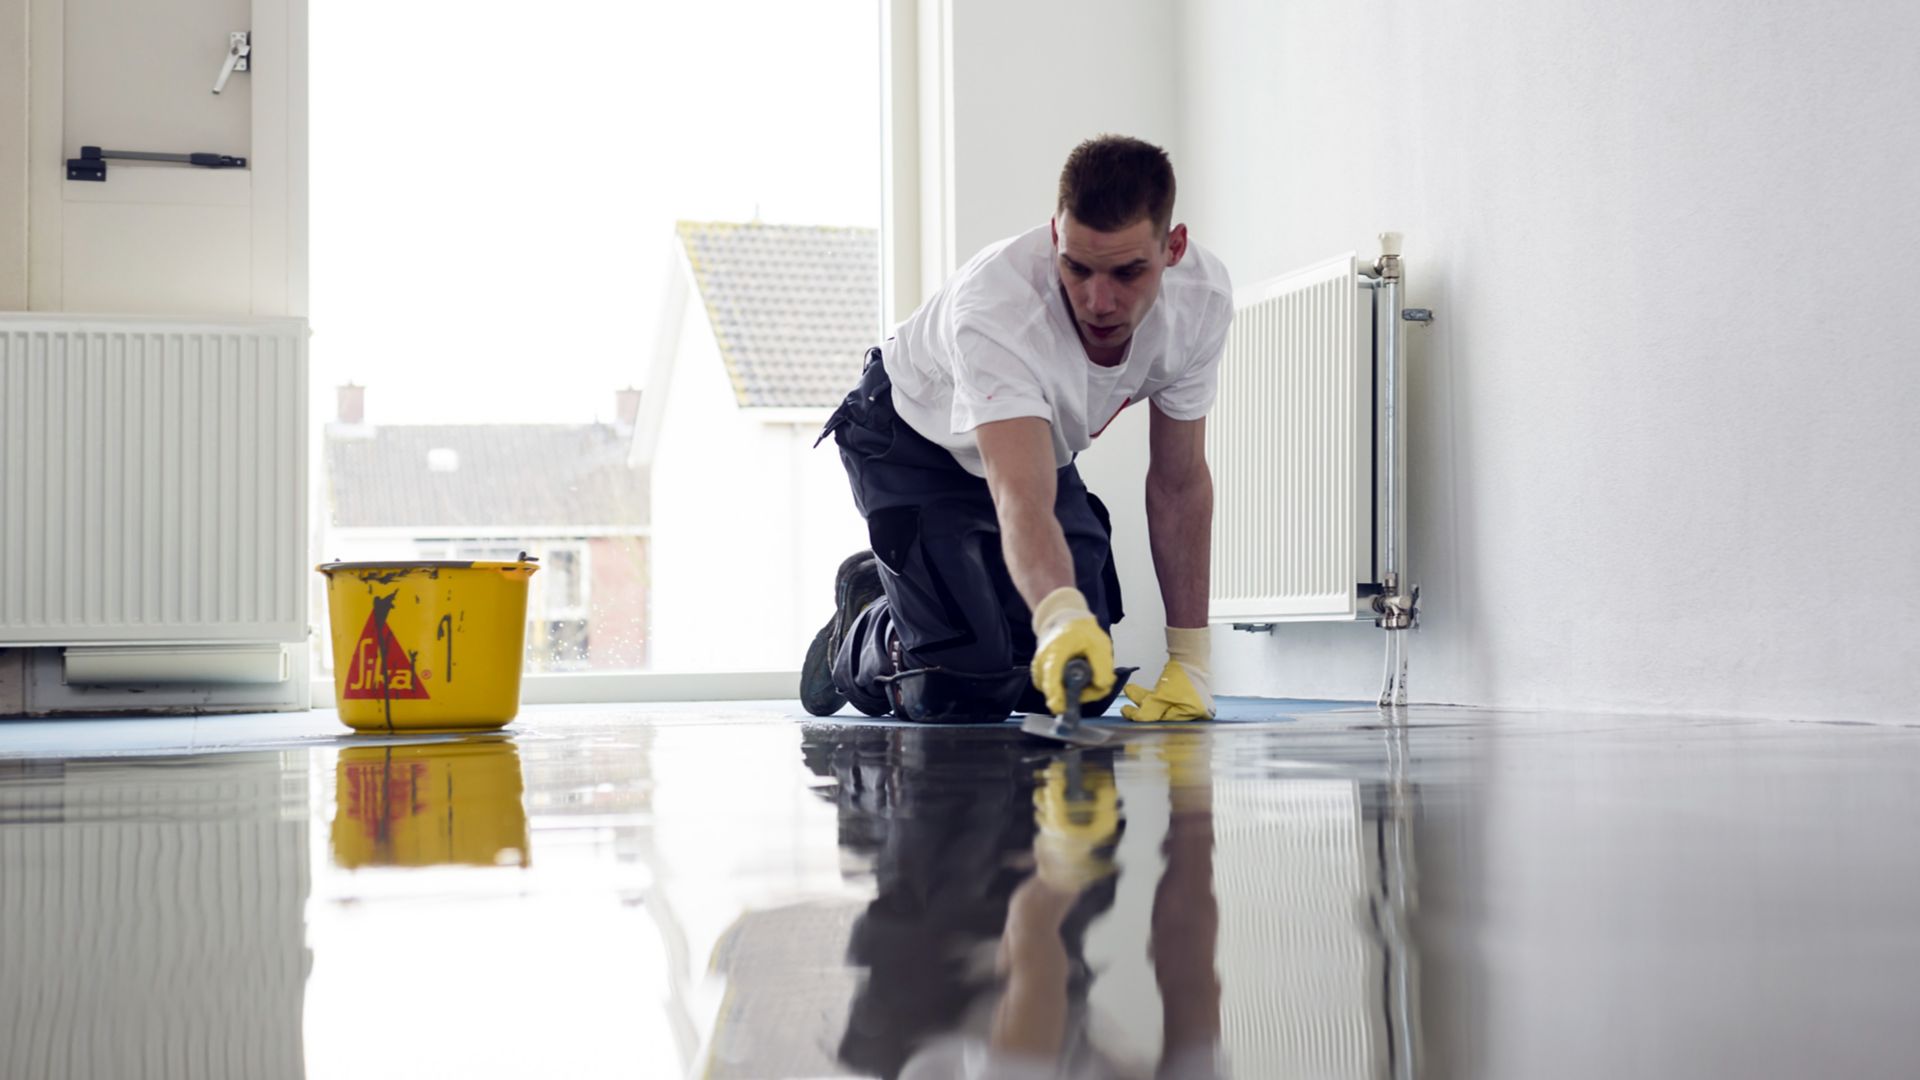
1018, 454
1020, 474
1180, 532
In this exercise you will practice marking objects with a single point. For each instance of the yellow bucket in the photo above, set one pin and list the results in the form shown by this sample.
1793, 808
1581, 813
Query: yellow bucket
439, 804
427, 646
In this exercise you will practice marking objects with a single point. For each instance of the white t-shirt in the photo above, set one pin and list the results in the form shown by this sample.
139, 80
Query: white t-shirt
998, 342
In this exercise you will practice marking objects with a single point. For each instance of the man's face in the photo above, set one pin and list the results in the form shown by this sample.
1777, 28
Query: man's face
1112, 278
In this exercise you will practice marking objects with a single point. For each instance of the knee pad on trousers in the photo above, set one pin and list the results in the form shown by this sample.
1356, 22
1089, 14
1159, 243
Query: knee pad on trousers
936, 696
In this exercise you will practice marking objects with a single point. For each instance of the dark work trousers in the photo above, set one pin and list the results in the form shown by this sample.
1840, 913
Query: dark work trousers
952, 638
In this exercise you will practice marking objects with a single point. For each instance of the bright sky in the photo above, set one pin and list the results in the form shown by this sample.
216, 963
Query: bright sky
494, 185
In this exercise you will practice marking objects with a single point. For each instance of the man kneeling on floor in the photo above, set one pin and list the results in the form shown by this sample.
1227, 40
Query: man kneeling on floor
992, 565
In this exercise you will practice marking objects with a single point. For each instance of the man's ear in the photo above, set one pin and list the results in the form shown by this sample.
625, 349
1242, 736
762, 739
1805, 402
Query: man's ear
1176, 244
1053, 223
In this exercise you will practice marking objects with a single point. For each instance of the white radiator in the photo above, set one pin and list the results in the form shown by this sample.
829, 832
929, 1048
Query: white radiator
153, 477
1289, 445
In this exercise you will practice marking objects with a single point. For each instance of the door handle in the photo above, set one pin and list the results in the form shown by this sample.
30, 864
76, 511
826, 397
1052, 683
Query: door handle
239, 52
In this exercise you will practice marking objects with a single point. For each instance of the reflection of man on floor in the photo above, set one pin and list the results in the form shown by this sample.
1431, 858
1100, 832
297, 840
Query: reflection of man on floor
1039, 1028
947, 822
992, 565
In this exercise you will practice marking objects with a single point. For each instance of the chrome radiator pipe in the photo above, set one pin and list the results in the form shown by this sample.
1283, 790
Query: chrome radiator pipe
1396, 604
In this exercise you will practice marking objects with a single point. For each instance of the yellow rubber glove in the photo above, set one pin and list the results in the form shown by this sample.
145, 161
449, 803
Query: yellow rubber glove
1063, 628
1183, 692
1076, 826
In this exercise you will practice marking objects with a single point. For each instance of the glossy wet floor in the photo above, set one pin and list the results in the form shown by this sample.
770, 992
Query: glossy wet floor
731, 891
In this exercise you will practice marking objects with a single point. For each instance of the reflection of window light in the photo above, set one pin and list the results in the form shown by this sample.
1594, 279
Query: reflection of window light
565, 594
567, 645
559, 596
566, 590
443, 459
560, 592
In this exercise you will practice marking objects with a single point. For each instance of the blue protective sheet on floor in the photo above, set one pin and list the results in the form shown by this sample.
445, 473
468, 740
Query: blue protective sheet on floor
1233, 709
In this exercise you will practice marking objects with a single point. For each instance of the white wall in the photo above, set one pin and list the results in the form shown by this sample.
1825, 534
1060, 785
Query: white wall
14, 80
161, 239
825, 530
749, 523
1663, 451
706, 475
153, 238
1029, 82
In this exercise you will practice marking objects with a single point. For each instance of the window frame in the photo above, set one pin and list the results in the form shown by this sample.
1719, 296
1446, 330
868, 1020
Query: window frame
916, 247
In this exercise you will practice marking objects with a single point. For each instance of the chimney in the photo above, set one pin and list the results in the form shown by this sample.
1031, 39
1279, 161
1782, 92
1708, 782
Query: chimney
353, 404
626, 407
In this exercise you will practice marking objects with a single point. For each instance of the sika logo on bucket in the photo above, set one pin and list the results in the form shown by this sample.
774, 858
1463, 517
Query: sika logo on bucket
381, 668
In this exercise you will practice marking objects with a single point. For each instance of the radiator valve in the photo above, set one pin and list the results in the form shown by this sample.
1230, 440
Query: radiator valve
1396, 610
1389, 264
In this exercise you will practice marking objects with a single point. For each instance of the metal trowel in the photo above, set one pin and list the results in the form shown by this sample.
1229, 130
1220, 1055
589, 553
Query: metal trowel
1067, 727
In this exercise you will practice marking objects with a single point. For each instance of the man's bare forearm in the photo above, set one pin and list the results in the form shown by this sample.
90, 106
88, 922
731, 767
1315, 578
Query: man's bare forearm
1020, 475
1035, 549
1180, 532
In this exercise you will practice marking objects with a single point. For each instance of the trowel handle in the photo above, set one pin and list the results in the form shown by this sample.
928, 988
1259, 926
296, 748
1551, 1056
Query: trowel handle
1076, 678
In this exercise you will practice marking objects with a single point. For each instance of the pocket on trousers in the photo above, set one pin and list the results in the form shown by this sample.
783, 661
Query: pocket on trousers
893, 534
926, 614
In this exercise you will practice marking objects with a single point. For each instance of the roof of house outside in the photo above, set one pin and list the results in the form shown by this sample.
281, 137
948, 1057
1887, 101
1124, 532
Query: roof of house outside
483, 476
793, 307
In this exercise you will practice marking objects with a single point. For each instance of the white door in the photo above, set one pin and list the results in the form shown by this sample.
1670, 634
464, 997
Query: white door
163, 238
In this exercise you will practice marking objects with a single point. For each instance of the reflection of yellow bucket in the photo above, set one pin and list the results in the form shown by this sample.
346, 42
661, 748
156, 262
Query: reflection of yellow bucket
427, 646
429, 805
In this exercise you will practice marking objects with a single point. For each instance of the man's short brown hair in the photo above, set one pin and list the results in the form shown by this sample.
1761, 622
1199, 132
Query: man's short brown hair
1112, 181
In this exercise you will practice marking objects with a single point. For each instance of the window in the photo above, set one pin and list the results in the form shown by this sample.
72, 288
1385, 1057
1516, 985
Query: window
518, 329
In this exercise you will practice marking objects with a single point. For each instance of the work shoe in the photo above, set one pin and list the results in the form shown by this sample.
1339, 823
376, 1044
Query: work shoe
855, 585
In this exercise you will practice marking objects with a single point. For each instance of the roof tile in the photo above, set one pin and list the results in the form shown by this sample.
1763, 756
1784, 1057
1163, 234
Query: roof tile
793, 307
